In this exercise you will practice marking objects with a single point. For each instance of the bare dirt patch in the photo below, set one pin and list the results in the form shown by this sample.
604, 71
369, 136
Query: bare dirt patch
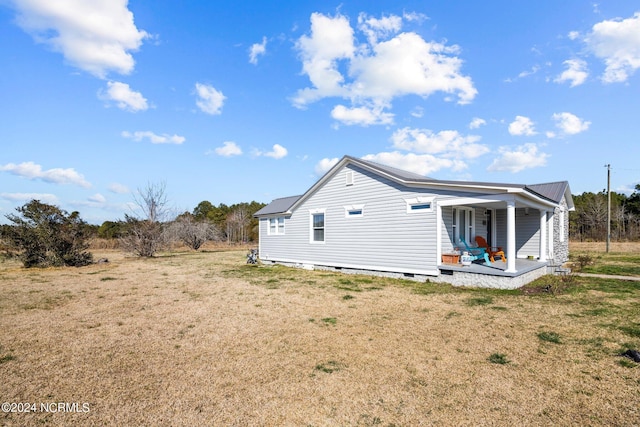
203, 339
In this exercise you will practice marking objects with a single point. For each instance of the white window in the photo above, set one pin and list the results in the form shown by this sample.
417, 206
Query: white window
419, 204
349, 178
276, 226
353, 211
317, 231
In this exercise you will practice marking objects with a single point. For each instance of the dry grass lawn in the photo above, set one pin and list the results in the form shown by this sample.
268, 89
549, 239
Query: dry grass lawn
203, 339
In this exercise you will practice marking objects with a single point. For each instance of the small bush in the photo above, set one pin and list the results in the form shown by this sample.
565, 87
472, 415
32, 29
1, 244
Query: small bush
498, 358
583, 260
551, 337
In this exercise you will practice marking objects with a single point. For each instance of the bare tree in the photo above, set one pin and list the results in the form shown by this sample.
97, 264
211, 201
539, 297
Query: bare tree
145, 234
191, 232
152, 201
237, 223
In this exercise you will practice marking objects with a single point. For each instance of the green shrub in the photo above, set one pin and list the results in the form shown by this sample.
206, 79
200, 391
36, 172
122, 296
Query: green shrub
44, 236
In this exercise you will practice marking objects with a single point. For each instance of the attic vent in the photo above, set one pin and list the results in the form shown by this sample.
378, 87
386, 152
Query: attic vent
349, 176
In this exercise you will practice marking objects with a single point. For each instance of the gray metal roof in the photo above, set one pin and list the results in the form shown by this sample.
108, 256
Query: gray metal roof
551, 190
278, 206
398, 173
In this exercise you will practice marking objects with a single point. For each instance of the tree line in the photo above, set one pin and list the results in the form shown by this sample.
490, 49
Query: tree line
589, 220
43, 235
228, 223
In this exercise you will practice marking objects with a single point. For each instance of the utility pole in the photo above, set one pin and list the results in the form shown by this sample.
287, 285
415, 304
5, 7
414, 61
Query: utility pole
608, 166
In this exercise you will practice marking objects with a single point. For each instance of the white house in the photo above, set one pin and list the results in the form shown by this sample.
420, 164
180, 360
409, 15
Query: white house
366, 217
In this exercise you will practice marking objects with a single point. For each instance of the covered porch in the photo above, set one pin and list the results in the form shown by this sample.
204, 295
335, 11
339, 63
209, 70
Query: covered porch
522, 227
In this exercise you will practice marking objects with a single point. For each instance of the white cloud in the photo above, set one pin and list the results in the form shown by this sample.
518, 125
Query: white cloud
124, 97
423, 164
530, 72
97, 198
31, 170
407, 64
523, 157
617, 42
277, 152
96, 36
477, 122
415, 17
363, 116
522, 126
573, 35
331, 39
417, 112
374, 28
25, 197
570, 124
446, 143
154, 138
325, 164
373, 72
228, 149
209, 100
256, 50
118, 188
576, 72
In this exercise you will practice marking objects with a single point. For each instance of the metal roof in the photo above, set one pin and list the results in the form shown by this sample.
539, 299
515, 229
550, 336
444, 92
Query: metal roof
278, 206
398, 173
552, 191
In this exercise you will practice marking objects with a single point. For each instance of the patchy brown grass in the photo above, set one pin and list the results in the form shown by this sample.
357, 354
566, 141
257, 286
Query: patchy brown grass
203, 339
600, 247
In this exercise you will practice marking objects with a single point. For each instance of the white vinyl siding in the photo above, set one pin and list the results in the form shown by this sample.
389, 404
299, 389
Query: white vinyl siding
384, 238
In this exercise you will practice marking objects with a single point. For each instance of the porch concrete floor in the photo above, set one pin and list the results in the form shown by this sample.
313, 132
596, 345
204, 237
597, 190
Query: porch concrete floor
496, 268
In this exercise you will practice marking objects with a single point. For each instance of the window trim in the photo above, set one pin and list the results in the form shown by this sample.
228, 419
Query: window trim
420, 204
312, 213
277, 226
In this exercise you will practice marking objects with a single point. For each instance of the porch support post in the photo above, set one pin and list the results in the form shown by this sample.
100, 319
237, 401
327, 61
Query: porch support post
511, 236
543, 236
438, 235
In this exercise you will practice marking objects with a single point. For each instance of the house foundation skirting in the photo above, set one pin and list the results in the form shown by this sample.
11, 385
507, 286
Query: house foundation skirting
454, 276
477, 280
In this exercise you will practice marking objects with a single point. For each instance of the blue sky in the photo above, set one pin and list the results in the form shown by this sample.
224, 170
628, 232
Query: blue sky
239, 101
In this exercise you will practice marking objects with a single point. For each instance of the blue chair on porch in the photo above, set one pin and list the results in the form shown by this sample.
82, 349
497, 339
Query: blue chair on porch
476, 253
